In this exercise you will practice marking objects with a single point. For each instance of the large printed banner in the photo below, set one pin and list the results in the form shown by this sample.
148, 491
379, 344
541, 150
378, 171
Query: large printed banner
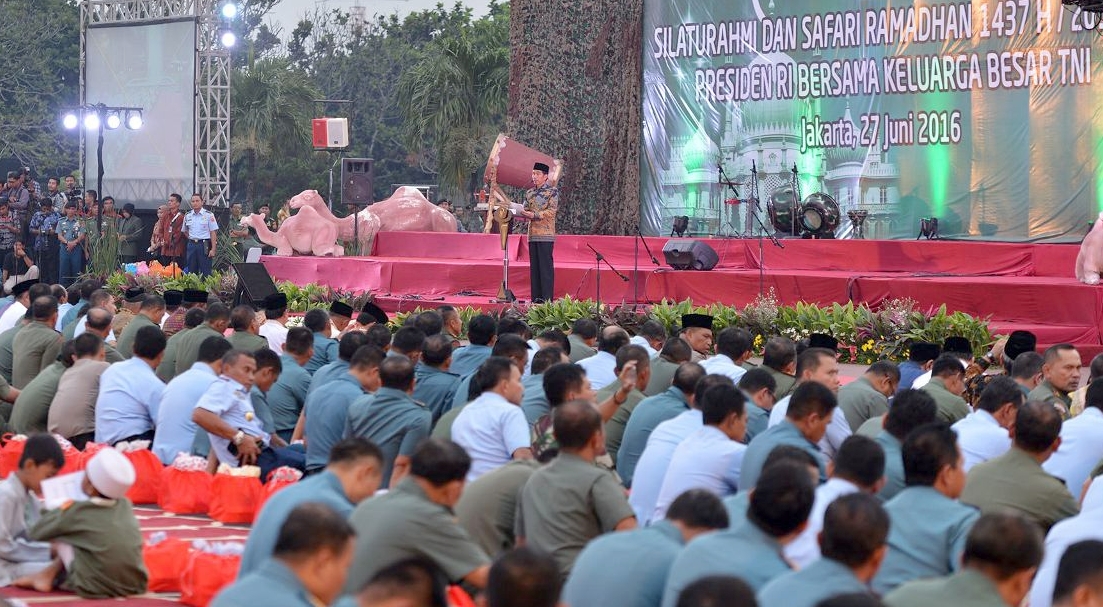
987, 115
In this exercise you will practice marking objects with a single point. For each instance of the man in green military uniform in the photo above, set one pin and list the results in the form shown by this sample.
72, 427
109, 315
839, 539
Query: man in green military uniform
187, 351
625, 396
1001, 555
37, 345
1016, 479
582, 338
132, 302
32, 409
1060, 377
663, 367
868, 396
415, 519
779, 357
697, 331
488, 506
167, 369
246, 336
149, 314
998, 361
946, 385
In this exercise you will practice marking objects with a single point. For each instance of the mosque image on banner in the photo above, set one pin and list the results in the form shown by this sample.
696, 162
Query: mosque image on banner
981, 114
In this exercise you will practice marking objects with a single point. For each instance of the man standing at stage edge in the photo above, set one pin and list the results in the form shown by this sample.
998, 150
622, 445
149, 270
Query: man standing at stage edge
200, 229
541, 204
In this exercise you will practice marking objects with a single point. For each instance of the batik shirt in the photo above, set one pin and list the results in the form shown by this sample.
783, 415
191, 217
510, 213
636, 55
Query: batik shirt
45, 222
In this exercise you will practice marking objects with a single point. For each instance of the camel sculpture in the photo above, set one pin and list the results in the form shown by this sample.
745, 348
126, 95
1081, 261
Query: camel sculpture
315, 230
1089, 261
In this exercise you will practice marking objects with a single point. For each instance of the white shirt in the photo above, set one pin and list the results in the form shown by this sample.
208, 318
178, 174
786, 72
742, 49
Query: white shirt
275, 333
490, 429
1081, 449
921, 381
805, 550
706, 459
12, 315
639, 340
837, 431
600, 369
1088, 525
980, 438
82, 323
164, 317
61, 310
647, 482
534, 346
723, 365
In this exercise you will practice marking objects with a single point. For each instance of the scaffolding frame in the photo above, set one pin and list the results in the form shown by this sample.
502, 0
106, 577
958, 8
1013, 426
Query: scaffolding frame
211, 119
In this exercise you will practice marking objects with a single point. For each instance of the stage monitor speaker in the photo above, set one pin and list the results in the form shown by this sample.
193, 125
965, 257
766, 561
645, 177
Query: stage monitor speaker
356, 181
689, 254
254, 284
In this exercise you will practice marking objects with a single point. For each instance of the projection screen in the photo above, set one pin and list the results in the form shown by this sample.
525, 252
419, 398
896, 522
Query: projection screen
153, 67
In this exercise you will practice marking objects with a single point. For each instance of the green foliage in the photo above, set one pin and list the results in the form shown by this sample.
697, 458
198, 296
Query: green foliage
226, 253
560, 314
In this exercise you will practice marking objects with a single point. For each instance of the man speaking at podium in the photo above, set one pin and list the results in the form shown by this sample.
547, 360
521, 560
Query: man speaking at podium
541, 204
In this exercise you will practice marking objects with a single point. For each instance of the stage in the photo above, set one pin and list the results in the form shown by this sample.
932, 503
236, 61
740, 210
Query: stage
1019, 285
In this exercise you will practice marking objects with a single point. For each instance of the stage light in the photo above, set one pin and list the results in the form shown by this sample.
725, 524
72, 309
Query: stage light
227, 38
113, 120
70, 120
134, 120
229, 10
91, 121
681, 224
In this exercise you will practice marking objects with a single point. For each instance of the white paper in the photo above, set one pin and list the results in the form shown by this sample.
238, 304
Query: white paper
58, 490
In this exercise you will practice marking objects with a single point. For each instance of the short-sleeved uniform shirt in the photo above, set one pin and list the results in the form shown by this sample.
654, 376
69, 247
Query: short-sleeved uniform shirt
568, 503
392, 420
199, 225
490, 429
403, 524
230, 401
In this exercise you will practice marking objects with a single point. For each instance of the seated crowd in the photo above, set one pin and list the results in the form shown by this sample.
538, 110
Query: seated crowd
589, 469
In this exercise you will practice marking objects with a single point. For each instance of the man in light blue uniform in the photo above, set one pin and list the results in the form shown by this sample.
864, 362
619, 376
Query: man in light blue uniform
759, 385
288, 394
481, 332
629, 569
313, 538
268, 370
176, 432
391, 419
535, 404
910, 409
436, 384
226, 413
351, 476
779, 509
199, 228
853, 545
130, 392
810, 410
929, 525
651, 412
346, 348
326, 412
325, 347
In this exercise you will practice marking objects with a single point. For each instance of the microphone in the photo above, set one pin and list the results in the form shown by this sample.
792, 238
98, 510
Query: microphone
719, 173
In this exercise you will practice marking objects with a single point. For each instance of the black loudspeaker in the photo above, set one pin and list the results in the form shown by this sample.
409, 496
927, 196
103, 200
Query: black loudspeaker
254, 284
356, 181
689, 254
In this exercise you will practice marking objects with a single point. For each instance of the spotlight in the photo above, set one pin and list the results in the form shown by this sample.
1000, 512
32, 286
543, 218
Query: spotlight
91, 121
228, 39
229, 10
681, 224
113, 120
134, 120
70, 120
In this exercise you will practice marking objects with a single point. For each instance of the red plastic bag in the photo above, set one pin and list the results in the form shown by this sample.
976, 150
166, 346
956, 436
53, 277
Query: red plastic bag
90, 449
163, 561
205, 575
74, 459
269, 489
10, 454
147, 482
234, 498
185, 491
458, 597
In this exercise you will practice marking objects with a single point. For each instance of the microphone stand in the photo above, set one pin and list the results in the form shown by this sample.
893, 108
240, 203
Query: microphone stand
598, 258
753, 210
636, 265
735, 193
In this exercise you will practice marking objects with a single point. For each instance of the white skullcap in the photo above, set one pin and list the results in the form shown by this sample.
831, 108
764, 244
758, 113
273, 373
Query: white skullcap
111, 473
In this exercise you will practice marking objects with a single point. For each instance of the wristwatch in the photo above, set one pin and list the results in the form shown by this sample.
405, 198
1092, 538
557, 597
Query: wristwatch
239, 437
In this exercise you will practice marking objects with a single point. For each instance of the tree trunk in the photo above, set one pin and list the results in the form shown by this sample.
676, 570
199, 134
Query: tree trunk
574, 93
